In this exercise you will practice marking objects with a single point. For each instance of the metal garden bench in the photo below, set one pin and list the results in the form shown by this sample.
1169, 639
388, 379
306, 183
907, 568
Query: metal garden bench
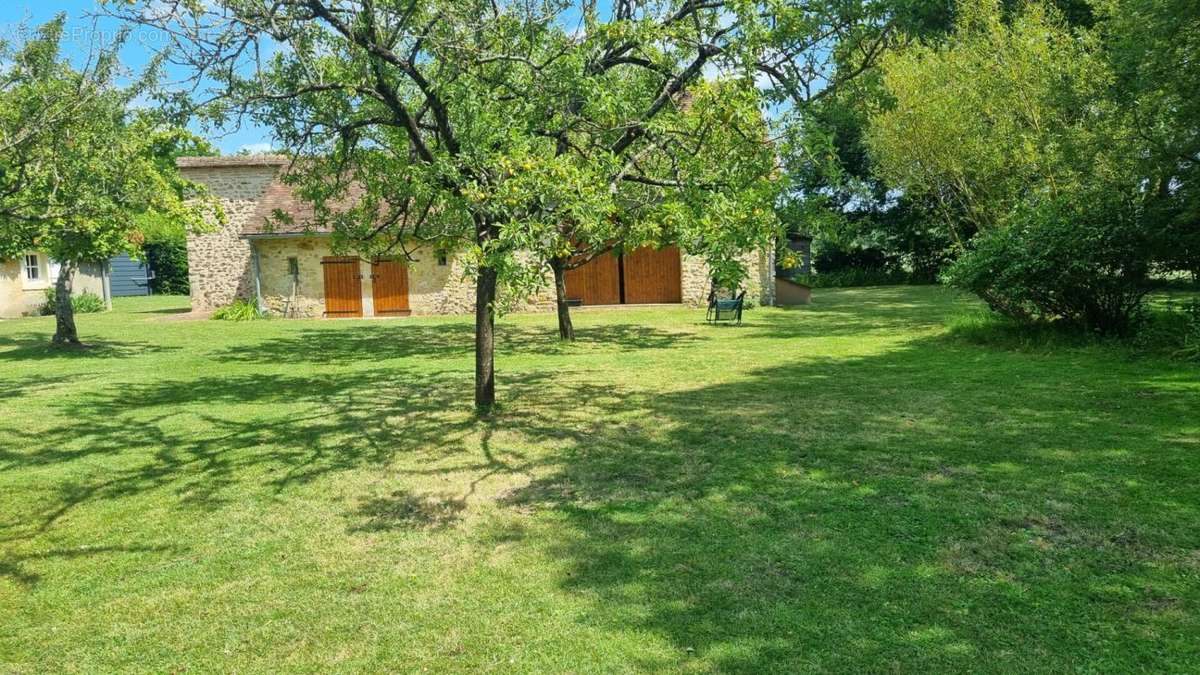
729, 309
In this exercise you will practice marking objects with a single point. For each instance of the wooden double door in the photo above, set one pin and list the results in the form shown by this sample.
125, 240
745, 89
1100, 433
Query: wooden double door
642, 276
344, 292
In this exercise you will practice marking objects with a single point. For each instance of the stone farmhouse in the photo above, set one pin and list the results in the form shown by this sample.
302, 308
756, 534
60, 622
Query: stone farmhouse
294, 272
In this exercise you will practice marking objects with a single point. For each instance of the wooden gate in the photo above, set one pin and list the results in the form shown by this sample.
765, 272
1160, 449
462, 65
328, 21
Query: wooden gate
389, 288
652, 275
343, 287
596, 283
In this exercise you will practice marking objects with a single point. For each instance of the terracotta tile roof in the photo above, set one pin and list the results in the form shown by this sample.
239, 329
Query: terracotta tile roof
234, 160
280, 196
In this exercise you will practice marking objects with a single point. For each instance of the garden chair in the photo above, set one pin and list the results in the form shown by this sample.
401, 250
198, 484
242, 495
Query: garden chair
729, 309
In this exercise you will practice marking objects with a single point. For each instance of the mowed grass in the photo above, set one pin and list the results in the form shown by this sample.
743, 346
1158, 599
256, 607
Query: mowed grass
842, 487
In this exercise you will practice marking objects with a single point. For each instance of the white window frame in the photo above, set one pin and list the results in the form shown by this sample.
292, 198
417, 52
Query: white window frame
43, 270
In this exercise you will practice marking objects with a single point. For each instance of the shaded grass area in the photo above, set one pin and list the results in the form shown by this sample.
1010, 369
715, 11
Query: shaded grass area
837, 487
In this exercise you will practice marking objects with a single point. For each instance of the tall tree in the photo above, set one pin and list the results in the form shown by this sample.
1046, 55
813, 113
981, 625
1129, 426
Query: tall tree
1153, 47
834, 190
77, 165
1010, 127
1001, 109
486, 125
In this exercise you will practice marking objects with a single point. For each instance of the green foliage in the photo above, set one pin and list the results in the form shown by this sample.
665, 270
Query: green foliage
169, 260
164, 146
1153, 47
241, 309
997, 112
1083, 260
81, 171
86, 302
1037, 171
852, 276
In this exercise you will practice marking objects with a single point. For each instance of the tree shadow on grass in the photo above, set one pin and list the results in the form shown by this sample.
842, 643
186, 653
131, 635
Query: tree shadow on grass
14, 566
935, 506
401, 509
37, 346
185, 309
931, 506
338, 344
291, 430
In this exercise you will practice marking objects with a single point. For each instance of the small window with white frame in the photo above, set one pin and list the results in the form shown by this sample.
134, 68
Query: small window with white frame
33, 267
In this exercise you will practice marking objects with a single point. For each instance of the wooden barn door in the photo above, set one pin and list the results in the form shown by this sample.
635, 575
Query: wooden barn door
389, 288
596, 283
652, 276
343, 287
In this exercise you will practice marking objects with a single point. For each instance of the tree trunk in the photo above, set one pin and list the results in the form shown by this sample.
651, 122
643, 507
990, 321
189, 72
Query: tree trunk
485, 330
64, 312
566, 331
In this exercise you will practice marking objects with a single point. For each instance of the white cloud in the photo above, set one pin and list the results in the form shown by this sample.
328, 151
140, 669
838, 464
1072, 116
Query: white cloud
254, 149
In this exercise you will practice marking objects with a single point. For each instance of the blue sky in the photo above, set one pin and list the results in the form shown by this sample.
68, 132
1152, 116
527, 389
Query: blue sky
82, 31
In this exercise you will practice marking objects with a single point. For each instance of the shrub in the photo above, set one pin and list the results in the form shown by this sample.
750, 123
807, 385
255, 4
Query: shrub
169, 261
831, 258
1079, 260
83, 303
855, 277
239, 310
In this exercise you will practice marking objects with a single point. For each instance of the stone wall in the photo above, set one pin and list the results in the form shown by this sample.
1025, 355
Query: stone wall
19, 298
759, 283
12, 300
433, 288
277, 283
219, 266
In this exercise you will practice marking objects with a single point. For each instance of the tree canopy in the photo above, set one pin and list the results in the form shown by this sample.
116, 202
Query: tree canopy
1063, 178
505, 127
78, 168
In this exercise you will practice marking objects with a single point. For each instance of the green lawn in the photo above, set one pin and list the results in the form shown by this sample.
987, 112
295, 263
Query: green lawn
836, 488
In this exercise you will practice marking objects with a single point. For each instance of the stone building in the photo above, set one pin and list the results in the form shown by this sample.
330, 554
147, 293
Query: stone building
293, 271
24, 281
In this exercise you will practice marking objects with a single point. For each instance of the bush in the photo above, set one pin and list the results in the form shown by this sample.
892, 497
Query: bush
169, 261
1080, 260
856, 277
239, 310
830, 258
83, 303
